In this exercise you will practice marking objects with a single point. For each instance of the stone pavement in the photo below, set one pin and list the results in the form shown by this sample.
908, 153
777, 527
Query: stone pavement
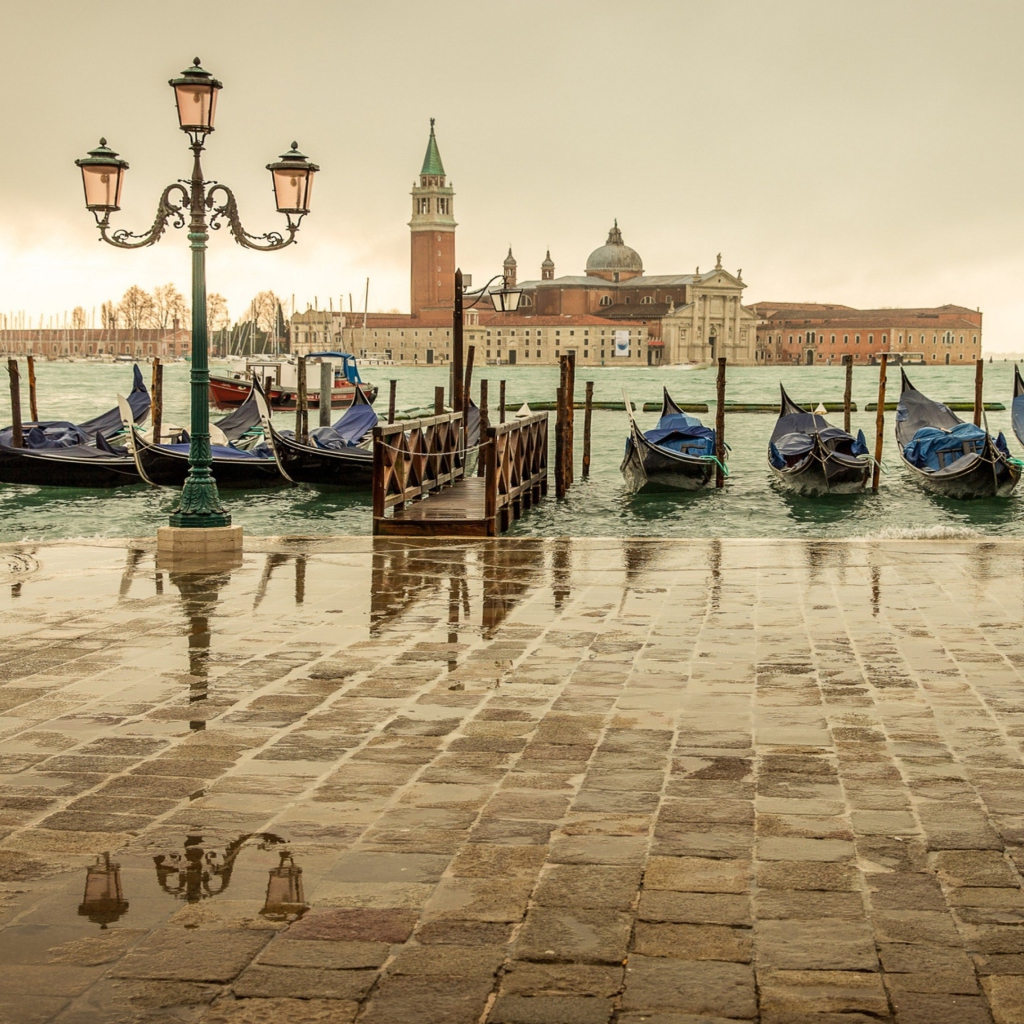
514, 782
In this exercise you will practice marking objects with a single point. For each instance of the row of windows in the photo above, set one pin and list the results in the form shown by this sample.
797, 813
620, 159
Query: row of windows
948, 339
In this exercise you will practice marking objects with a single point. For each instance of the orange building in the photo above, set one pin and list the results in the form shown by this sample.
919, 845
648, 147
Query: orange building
817, 334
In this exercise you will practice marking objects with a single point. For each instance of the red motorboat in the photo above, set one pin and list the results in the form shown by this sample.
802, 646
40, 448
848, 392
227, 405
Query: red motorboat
280, 382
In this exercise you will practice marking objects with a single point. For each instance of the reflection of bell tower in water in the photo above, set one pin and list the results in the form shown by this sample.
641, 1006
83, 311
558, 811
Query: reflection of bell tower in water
432, 266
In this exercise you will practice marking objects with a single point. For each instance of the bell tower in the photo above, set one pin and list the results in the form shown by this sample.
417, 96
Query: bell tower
432, 266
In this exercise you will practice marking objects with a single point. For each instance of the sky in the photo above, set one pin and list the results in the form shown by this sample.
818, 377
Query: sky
867, 152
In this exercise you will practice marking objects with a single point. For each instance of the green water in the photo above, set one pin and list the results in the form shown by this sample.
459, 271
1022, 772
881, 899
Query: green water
749, 505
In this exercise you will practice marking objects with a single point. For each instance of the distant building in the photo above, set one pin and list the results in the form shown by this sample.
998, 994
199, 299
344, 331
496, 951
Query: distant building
67, 343
423, 337
817, 334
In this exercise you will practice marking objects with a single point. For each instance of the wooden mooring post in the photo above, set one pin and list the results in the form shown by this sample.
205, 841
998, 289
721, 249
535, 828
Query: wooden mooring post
570, 405
156, 408
17, 440
467, 394
301, 403
481, 464
848, 392
501, 401
879, 422
979, 390
587, 419
438, 401
561, 481
392, 395
720, 425
33, 407
326, 387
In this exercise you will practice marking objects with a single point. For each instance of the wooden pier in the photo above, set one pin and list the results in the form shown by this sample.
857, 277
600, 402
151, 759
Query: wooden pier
419, 474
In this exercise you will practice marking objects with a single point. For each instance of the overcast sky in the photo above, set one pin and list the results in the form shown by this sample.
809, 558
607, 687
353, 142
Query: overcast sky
866, 152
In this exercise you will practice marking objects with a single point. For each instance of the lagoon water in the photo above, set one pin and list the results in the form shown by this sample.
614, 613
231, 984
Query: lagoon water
749, 506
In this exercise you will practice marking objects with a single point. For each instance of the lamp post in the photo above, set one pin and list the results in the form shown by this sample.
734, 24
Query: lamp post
189, 200
505, 300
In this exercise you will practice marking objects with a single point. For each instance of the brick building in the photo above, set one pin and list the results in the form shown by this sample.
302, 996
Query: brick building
423, 337
817, 334
97, 343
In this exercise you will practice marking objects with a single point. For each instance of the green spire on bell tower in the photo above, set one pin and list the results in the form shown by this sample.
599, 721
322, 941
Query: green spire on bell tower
432, 161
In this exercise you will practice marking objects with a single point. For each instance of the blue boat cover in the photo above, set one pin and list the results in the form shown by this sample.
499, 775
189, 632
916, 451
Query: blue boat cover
681, 433
63, 434
219, 451
797, 443
932, 448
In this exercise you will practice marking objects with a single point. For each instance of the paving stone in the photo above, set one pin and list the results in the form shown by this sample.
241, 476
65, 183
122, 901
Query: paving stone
926, 1008
694, 907
588, 886
281, 1011
465, 933
329, 954
787, 996
1006, 997
788, 874
975, 867
360, 925
517, 1009
481, 899
481, 860
824, 944
692, 987
808, 904
587, 936
399, 1000
547, 979
451, 960
696, 874
693, 941
915, 926
170, 954
303, 983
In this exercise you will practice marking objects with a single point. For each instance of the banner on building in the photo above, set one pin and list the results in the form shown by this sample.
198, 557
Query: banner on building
622, 343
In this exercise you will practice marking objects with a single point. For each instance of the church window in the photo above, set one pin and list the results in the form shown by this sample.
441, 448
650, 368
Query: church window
556, 353
606, 300
961, 339
647, 300
538, 353
871, 339
846, 339
586, 354
857, 339
526, 352
833, 339
572, 333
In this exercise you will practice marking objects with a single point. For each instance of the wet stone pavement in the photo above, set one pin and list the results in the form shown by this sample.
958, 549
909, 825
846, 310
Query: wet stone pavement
514, 782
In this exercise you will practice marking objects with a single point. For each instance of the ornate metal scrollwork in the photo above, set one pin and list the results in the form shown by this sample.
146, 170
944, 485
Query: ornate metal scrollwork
228, 210
166, 210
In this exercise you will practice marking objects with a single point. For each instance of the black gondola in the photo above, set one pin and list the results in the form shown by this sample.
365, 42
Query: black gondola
677, 455
81, 465
809, 456
1017, 407
51, 434
947, 456
166, 465
332, 458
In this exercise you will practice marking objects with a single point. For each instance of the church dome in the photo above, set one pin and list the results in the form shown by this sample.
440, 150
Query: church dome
614, 257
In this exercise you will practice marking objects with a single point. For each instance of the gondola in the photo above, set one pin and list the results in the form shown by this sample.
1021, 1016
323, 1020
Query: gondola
332, 458
166, 465
50, 434
809, 456
677, 455
1017, 407
947, 456
80, 465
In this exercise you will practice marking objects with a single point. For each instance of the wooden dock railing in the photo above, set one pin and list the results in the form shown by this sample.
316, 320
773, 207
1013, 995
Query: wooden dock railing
413, 458
516, 467
419, 473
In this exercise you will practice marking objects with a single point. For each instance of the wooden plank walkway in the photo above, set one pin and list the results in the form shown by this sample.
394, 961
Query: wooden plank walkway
457, 511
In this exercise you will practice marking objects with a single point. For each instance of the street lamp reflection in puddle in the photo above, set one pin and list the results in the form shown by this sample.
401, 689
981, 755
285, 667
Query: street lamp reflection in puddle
201, 871
285, 899
199, 597
103, 902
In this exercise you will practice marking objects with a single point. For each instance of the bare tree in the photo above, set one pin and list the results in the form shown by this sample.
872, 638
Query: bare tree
217, 316
263, 309
108, 314
168, 304
77, 318
137, 309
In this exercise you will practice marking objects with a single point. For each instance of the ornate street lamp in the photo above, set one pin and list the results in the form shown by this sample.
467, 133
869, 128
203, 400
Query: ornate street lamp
505, 300
285, 897
195, 93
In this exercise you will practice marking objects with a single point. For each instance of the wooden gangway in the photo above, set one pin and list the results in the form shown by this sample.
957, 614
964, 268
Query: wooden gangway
419, 474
